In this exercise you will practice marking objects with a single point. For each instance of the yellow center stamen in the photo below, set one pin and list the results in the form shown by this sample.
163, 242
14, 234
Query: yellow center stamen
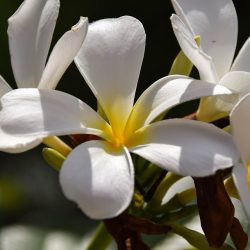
117, 142
119, 137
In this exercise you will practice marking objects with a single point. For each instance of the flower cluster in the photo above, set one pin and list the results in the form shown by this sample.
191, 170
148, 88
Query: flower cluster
112, 172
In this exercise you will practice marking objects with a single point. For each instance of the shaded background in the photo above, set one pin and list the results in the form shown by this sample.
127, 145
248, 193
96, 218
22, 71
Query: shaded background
29, 190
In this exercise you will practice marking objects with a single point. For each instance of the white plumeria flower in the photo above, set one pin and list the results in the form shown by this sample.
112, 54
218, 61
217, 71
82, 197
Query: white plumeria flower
30, 33
99, 174
240, 123
216, 23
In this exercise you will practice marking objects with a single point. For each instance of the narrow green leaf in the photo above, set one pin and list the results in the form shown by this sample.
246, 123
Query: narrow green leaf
195, 238
53, 158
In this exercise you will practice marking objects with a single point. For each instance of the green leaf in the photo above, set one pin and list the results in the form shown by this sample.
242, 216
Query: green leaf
195, 238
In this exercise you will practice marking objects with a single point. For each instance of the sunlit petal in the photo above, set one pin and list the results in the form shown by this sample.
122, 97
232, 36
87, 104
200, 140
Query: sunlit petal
63, 54
110, 61
216, 23
238, 81
196, 55
241, 182
242, 62
99, 178
240, 124
185, 147
167, 93
30, 32
40, 113
213, 108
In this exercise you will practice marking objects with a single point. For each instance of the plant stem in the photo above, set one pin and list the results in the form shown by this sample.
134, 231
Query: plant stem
195, 238
101, 239
57, 144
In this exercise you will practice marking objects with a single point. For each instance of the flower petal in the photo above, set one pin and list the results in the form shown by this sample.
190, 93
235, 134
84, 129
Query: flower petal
241, 62
30, 32
40, 113
238, 81
196, 55
63, 54
216, 23
180, 186
110, 61
99, 178
167, 93
240, 180
185, 147
4, 86
216, 107
240, 124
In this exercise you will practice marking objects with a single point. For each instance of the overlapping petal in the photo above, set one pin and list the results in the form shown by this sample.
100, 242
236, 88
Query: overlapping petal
238, 81
213, 108
99, 178
240, 123
110, 61
167, 93
240, 180
63, 54
241, 62
196, 55
39, 113
216, 23
4, 86
30, 32
185, 147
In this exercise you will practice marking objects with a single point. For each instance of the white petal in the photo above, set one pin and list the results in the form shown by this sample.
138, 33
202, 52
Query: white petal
213, 108
110, 61
238, 81
99, 178
186, 147
30, 32
178, 187
240, 180
40, 113
167, 93
240, 125
4, 86
63, 54
196, 55
181, 14
242, 62
216, 23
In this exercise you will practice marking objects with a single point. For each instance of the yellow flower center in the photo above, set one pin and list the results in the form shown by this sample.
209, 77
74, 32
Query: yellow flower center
120, 137
117, 141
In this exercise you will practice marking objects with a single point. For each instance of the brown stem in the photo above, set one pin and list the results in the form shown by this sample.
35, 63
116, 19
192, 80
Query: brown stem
238, 236
191, 116
127, 229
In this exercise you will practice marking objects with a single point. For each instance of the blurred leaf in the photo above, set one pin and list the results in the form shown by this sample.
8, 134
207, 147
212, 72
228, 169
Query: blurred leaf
12, 198
21, 238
